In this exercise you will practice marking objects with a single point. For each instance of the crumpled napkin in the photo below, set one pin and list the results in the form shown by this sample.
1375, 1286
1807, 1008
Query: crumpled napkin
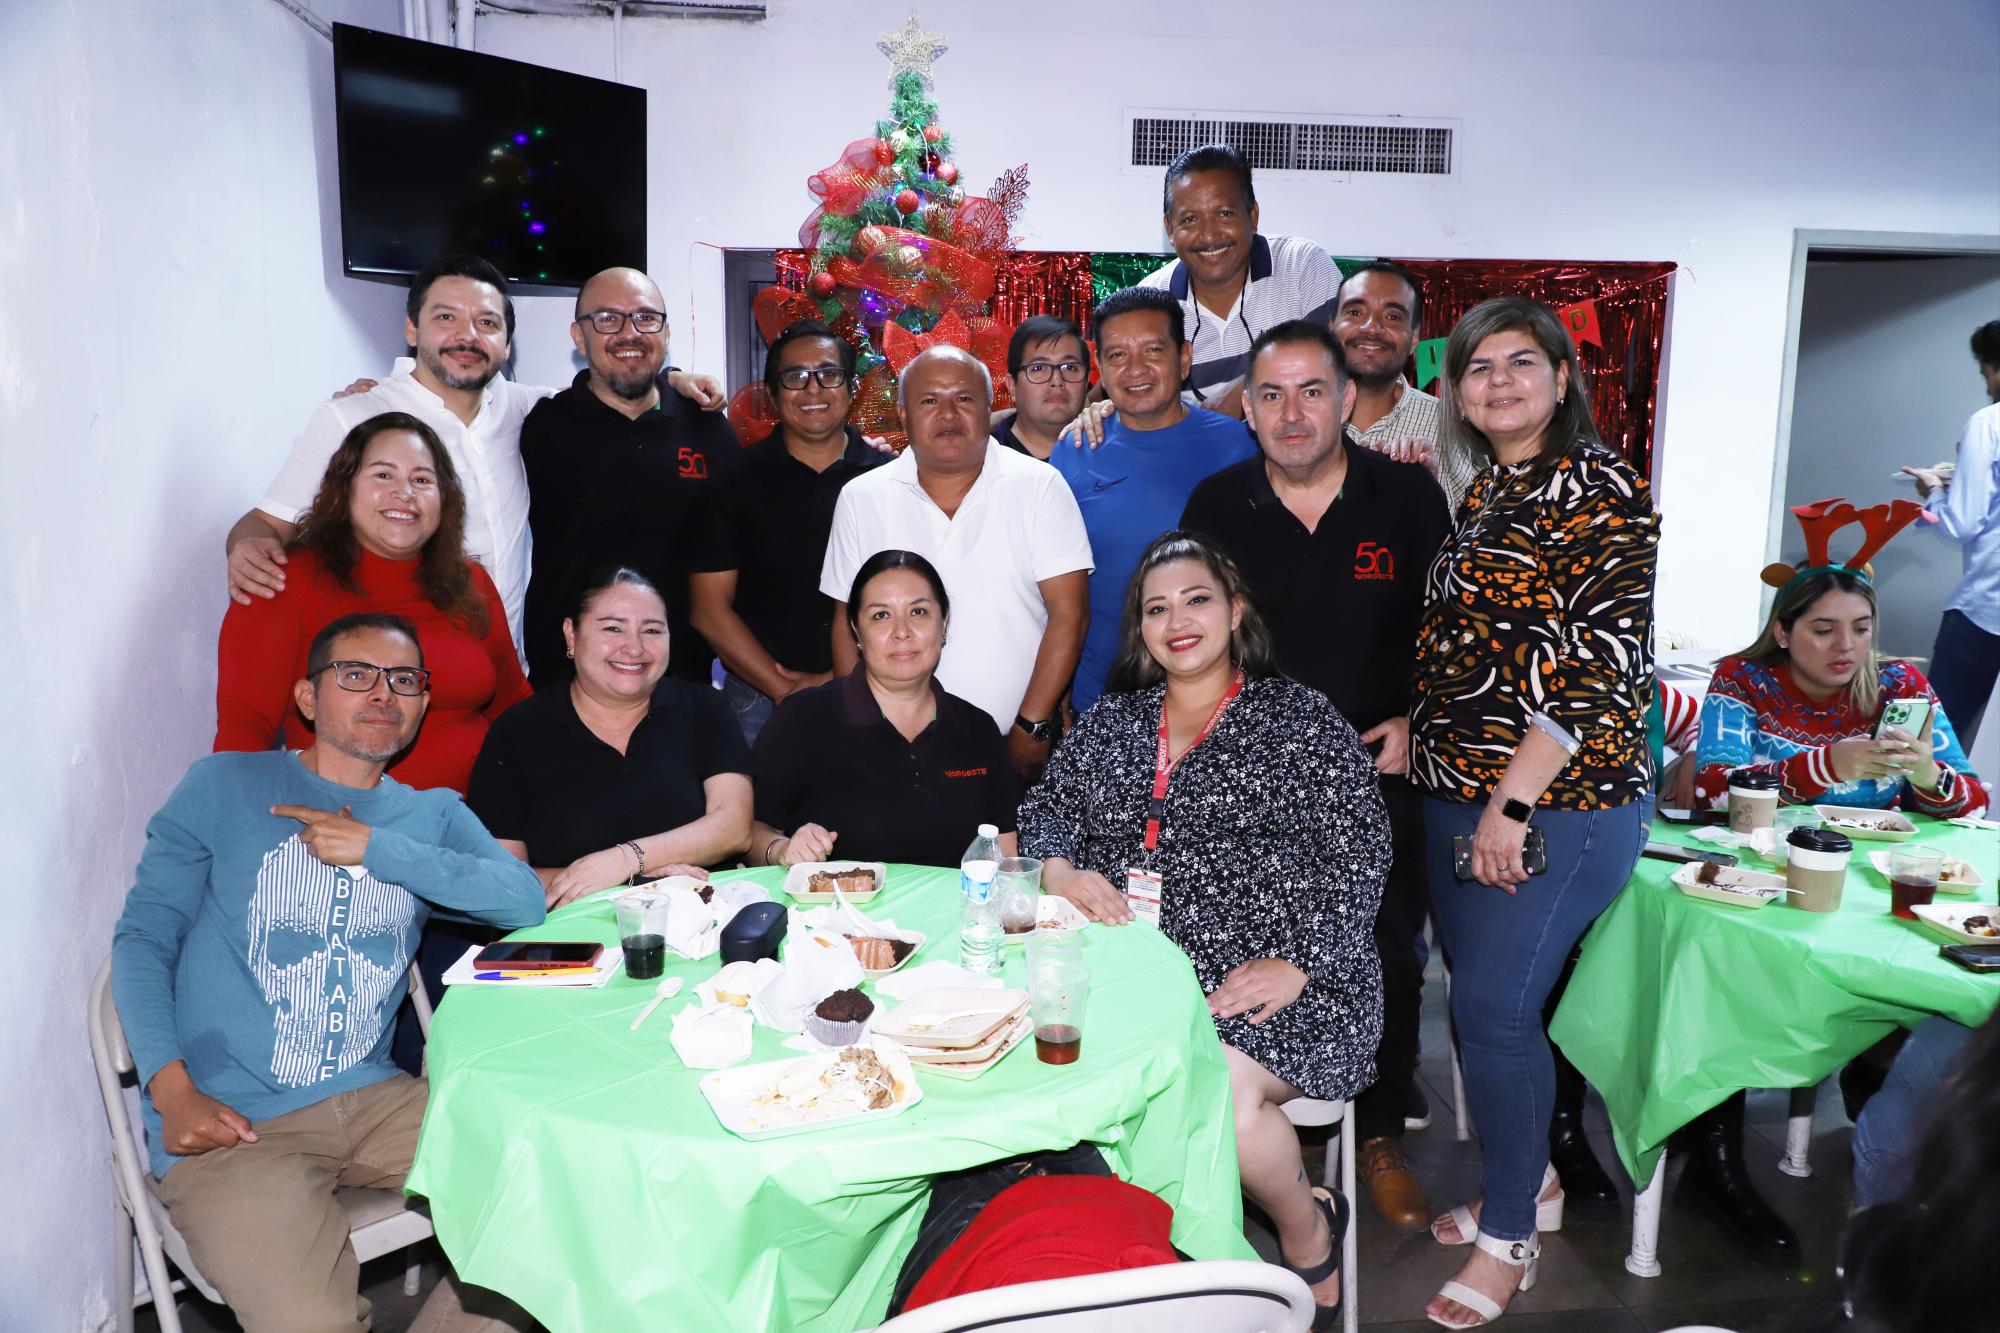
711, 1038
816, 965
694, 928
1763, 841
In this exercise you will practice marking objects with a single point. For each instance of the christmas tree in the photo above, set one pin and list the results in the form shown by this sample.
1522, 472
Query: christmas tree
902, 257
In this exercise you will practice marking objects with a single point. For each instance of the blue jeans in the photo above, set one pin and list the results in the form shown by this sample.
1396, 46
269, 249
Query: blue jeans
1965, 661
1891, 1124
1505, 953
750, 705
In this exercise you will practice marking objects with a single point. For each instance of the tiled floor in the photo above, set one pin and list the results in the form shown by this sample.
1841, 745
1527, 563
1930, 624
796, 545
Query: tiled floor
1583, 1288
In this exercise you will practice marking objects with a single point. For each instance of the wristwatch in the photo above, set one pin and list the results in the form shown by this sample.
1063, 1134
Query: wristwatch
1041, 733
1518, 811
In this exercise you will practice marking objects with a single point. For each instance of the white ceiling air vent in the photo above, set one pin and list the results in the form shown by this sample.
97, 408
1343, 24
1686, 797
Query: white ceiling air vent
1342, 145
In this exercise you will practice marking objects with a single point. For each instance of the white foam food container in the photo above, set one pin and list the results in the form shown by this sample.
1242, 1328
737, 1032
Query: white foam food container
995, 1049
734, 1094
1880, 860
1732, 887
951, 1017
1857, 823
797, 876
1948, 920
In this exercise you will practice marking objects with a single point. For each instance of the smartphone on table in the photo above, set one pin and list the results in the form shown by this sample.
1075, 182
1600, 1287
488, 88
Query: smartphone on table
1973, 957
536, 955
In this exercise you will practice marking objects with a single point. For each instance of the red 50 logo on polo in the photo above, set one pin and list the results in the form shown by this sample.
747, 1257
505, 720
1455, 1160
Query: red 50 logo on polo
1372, 560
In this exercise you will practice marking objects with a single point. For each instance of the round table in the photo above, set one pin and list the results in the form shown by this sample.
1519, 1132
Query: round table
1677, 1003
574, 1166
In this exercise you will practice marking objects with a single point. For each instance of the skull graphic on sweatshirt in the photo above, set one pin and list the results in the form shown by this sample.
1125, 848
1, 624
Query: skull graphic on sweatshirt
329, 948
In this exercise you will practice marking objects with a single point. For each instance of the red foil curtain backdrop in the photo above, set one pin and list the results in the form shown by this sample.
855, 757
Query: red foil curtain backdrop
1623, 376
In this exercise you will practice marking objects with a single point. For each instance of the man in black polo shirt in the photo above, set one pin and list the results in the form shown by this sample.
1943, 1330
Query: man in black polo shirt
1048, 369
1334, 544
755, 584
617, 472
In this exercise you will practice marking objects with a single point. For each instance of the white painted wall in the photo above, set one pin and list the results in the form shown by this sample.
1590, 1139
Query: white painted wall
169, 305
169, 309
1701, 132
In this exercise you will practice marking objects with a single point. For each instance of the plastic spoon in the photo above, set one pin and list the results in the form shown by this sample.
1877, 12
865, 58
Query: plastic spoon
668, 988
852, 915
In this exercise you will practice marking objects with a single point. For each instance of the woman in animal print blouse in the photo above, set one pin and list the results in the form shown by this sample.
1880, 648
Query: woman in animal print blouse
1534, 672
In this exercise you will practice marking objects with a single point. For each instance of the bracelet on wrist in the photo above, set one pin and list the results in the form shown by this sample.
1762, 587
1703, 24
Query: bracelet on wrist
772, 845
638, 858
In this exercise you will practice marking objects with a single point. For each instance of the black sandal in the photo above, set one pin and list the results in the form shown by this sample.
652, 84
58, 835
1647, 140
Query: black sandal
1334, 1205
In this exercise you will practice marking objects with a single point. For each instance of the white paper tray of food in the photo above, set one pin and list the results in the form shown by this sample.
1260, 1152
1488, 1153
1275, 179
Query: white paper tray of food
1868, 825
1954, 876
800, 887
1962, 923
953, 1064
1053, 916
1728, 885
871, 1081
951, 1017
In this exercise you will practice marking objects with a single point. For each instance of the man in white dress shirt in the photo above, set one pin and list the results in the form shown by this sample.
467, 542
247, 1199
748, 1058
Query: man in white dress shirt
1006, 537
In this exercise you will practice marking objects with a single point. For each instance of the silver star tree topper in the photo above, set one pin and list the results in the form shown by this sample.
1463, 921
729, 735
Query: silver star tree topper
910, 50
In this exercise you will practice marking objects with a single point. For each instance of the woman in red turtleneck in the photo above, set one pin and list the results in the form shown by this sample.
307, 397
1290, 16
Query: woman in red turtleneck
385, 533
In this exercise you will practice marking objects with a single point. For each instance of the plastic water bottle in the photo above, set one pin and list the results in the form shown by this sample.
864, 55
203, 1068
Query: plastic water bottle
979, 932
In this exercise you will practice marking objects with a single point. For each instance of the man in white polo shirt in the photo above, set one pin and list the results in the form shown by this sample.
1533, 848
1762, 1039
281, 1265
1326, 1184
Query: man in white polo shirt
1006, 536
1233, 283
459, 321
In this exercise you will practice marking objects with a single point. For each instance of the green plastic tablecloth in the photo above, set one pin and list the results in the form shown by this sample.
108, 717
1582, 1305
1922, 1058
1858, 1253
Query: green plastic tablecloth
1678, 1002
574, 1166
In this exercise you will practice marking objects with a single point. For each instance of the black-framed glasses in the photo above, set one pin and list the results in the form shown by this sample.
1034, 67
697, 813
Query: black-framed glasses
827, 377
1038, 372
610, 321
360, 677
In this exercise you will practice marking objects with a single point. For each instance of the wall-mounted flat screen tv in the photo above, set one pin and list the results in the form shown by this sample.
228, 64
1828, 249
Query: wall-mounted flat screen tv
445, 151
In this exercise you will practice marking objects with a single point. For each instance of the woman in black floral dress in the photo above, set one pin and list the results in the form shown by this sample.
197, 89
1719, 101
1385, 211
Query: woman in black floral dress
1270, 845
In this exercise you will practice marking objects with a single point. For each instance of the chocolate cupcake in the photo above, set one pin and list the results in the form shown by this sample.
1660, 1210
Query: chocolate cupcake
839, 1018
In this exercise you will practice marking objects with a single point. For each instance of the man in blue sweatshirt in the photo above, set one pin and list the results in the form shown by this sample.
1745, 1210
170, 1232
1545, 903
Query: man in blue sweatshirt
257, 968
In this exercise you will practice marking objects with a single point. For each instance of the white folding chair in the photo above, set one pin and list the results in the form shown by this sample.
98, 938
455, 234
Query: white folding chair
1462, 1123
1219, 1296
380, 1220
1312, 1113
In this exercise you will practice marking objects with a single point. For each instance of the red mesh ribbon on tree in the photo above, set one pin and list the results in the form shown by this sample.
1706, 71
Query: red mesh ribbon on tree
916, 270
1621, 373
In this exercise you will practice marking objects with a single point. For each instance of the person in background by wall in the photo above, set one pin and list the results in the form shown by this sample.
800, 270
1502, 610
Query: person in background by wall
755, 584
1048, 368
1133, 487
1232, 281
459, 326
258, 1014
1003, 531
618, 473
1965, 660
1378, 316
1333, 543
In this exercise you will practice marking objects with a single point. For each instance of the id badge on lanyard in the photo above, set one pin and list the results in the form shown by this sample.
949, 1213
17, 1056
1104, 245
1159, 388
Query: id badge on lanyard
1142, 881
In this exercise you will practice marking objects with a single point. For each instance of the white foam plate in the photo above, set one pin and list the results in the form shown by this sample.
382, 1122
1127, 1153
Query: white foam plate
1054, 916
732, 1094
953, 1017
1880, 860
1948, 920
1835, 817
996, 1050
1732, 887
796, 877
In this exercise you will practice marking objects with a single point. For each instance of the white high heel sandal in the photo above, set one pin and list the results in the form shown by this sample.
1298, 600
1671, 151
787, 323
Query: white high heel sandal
1548, 1214
1521, 1254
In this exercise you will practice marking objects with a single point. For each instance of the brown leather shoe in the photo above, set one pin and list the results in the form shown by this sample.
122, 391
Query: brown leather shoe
1397, 1196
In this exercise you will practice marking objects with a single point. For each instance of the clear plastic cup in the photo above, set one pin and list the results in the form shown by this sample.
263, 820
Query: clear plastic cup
1057, 992
1913, 878
642, 932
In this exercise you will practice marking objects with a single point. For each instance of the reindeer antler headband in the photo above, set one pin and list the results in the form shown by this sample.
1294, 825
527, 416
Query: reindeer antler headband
1822, 518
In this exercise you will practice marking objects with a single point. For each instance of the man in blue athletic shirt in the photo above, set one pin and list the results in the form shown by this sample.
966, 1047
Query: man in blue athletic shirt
257, 968
1156, 448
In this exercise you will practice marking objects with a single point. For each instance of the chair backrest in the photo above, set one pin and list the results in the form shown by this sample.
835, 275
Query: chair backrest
1219, 1296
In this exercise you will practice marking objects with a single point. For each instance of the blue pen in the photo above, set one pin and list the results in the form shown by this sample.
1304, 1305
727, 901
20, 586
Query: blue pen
542, 972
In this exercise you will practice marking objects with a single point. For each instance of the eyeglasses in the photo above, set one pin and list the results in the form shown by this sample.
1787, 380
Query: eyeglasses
610, 321
360, 677
827, 377
1038, 372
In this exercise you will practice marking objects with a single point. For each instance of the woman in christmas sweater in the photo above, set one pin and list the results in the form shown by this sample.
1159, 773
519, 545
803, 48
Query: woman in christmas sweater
1804, 700
385, 533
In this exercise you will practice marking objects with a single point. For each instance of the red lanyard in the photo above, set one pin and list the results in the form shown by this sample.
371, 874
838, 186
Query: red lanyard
1162, 770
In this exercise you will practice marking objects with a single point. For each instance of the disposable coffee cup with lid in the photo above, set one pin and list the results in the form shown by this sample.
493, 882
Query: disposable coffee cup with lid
1817, 868
1753, 800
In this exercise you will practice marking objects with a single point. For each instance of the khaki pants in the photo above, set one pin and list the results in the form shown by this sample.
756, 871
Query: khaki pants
261, 1221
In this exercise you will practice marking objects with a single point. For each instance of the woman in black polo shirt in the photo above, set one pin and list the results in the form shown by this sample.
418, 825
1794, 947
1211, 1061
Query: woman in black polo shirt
624, 774
883, 761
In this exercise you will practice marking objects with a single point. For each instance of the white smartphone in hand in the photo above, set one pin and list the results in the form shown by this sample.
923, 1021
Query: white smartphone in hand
1908, 714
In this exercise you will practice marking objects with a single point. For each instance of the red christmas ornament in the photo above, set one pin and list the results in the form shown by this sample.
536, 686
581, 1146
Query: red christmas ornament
948, 173
821, 284
931, 161
932, 134
907, 201
885, 152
